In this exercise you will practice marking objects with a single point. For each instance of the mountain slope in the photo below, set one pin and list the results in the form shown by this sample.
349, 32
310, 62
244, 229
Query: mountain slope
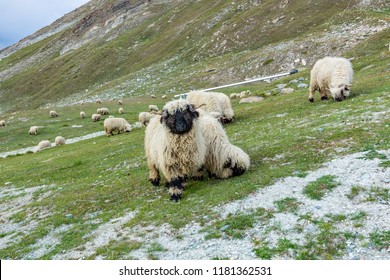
122, 48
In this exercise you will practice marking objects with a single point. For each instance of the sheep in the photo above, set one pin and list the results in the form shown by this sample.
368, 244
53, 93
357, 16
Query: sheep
82, 115
2, 123
43, 145
144, 118
164, 96
234, 96
120, 102
103, 111
59, 140
98, 101
213, 102
121, 111
174, 145
153, 96
153, 108
116, 124
223, 159
332, 75
53, 114
96, 117
33, 130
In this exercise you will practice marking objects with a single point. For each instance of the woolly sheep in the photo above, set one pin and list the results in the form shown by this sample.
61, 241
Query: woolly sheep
331, 75
82, 115
153, 108
98, 101
144, 118
103, 111
116, 124
59, 140
43, 145
120, 102
33, 130
96, 117
223, 159
121, 111
174, 145
153, 96
2, 123
164, 97
212, 102
53, 114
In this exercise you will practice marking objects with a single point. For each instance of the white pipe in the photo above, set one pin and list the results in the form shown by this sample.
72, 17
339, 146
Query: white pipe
245, 82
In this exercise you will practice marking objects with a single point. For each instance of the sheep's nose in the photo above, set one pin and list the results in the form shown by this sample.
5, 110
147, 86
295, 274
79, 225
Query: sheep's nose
180, 124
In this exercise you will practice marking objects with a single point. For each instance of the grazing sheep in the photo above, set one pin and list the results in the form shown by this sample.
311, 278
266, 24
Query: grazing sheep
33, 130
96, 117
82, 115
59, 140
223, 159
43, 145
53, 114
103, 111
212, 102
121, 111
144, 118
153, 96
331, 75
98, 101
2, 123
116, 124
120, 102
234, 96
174, 145
164, 97
153, 108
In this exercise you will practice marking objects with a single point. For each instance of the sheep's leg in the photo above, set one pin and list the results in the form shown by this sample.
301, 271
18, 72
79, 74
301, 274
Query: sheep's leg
323, 93
312, 89
199, 174
154, 175
175, 188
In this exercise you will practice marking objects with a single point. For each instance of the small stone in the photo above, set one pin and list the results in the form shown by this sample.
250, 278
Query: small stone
224, 227
69, 216
251, 99
287, 90
302, 85
320, 129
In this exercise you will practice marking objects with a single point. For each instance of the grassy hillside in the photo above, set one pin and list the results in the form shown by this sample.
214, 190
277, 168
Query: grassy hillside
64, 194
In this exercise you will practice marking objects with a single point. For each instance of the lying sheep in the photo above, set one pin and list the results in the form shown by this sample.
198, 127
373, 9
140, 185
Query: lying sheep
331, 75
33, 130
116, 124
223, 159
2, 123
234, 96
59, 140
153, 108
82, 115
213, 102
53, 114
144, 118
43, 145
174, 145
121, 111
96, 117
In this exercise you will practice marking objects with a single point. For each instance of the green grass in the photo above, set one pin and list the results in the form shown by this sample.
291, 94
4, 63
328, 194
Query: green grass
319, 188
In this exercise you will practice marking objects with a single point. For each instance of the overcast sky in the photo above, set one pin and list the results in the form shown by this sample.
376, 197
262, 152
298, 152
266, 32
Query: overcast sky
20, 18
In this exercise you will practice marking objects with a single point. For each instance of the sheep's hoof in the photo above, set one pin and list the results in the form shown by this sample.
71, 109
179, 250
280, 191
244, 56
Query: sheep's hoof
155, 182
237, 171
311, 99
324, 98
197, 178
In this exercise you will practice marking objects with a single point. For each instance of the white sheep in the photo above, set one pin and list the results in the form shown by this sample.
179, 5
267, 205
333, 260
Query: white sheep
153, 96
212, 102
43, 145
144, 118
121, 111
103, 111
53, 114
331, 75
116, 124
153, 108
33, 130
223, 159
59, 140
96, 117
98, 101
82, 115
120, 102
174, 145
2, 123
164, 96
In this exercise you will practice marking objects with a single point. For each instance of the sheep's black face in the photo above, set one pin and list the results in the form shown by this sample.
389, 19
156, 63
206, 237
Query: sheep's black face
181, 120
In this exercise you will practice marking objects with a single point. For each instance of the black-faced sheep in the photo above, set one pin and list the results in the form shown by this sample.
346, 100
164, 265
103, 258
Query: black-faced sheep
120, 102
33, 130
223, 159
116, 124
43, 145
174, 145
212, 102
59, 141
53, 114
331, 75
96, 117
2, 123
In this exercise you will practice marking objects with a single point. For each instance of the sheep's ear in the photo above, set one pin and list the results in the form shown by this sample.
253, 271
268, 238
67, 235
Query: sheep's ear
191, 108
164, 115
347, 87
